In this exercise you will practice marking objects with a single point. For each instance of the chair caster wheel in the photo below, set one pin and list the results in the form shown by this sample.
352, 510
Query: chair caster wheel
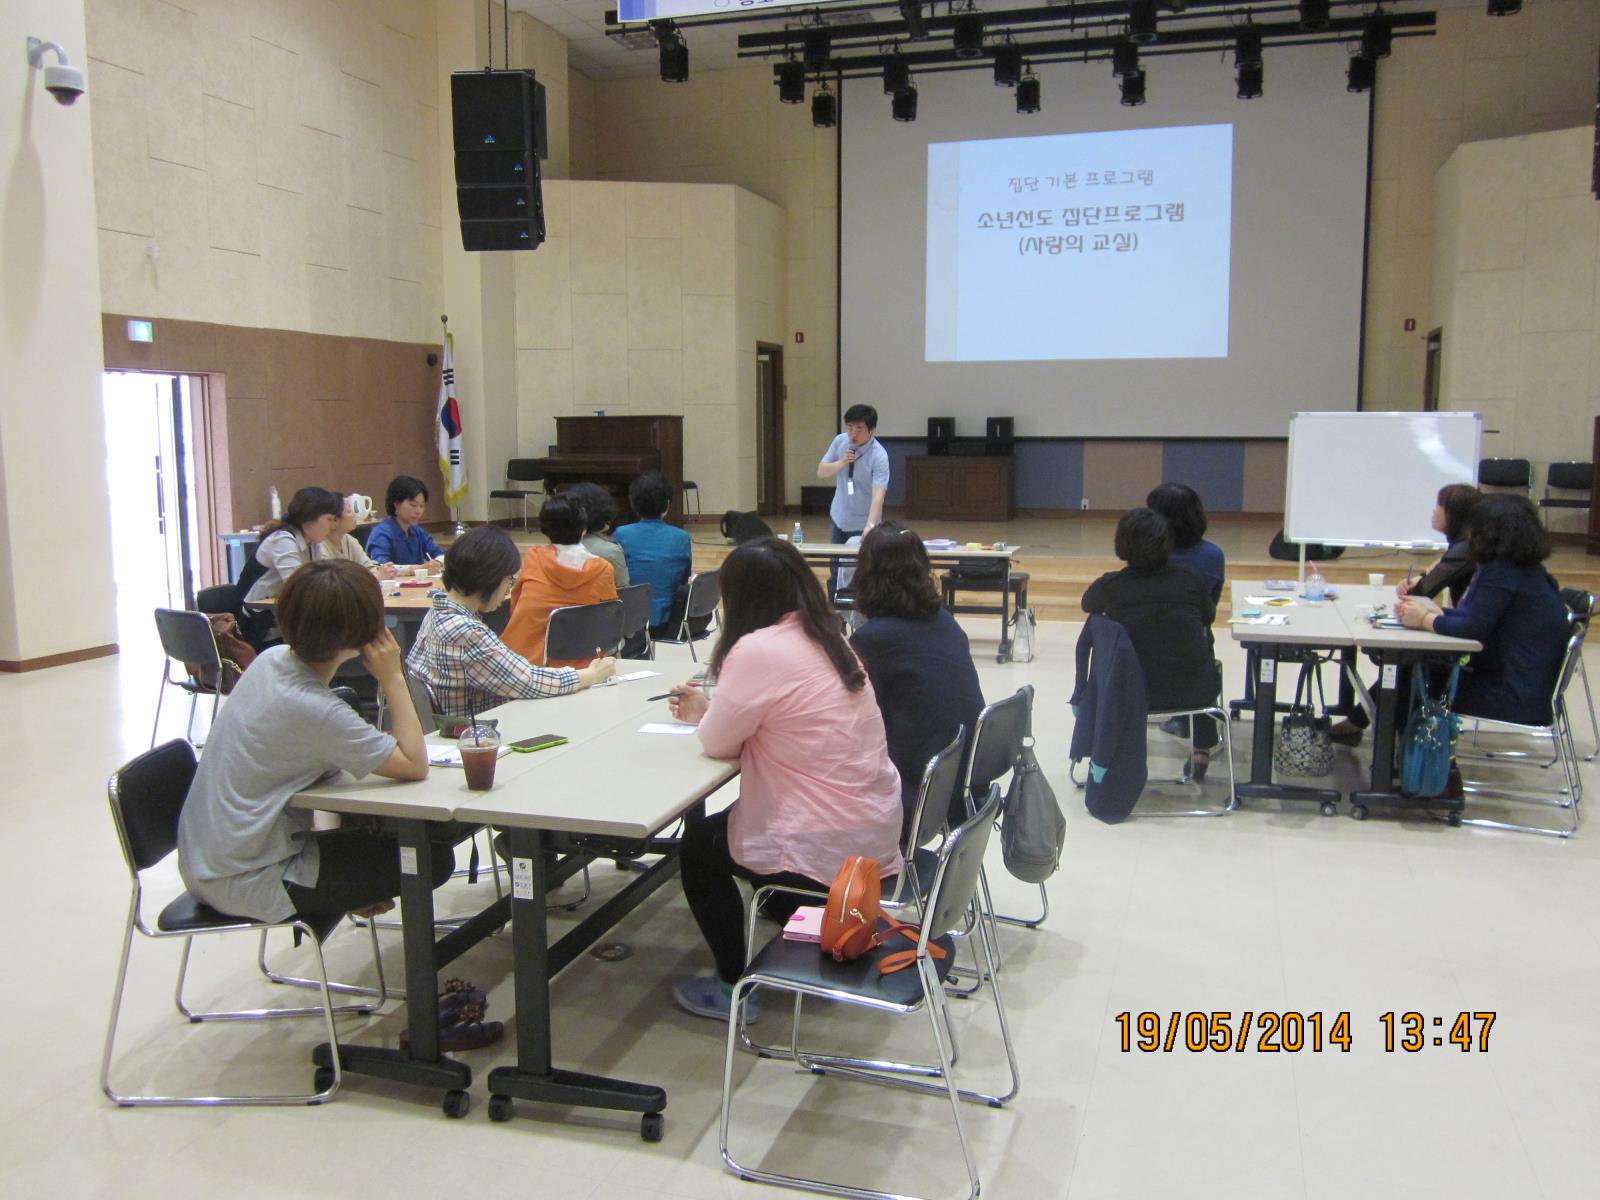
456, 1103
1358, 811
651, 1126
1453, 819
499, 1108
322, 1079
1329, 808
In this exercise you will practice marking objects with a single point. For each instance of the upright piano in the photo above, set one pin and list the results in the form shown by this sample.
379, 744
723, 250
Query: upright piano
611, 451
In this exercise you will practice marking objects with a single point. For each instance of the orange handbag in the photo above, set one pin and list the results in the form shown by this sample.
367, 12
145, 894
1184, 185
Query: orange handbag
852, 918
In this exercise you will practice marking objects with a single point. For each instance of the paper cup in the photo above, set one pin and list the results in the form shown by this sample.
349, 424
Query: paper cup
419, 572
1376, 579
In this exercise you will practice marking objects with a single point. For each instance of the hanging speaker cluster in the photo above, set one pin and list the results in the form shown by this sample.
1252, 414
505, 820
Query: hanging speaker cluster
498, 121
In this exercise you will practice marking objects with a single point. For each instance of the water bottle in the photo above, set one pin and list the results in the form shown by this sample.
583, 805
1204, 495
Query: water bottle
1316, 586
799, 535
272, 499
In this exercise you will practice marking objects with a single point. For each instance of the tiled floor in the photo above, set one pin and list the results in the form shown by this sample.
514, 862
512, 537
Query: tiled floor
1269, 909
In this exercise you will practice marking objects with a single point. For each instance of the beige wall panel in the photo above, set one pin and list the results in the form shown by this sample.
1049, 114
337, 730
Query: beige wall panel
285, 299
1119, 474
121, 153
363, 135
177, 116
230, 166
655, 293
656, 381
708, 347
1488, 308
1266, 475
277, 117
182, 238
557, 194
599, 250
652, 210
544, 390
326, 242
1558, 292
544, 297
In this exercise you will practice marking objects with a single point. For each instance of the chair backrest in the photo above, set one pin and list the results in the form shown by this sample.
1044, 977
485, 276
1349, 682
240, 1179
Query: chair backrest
186, 636
1569, 664
941, 782
1505, 472
147, 796
705, 593
497, 620
997, 739
1580, 602
252, 570
577, 630
1571, 476
960, 859
223, 598
524, 470
636, 601
422, 701
349, 696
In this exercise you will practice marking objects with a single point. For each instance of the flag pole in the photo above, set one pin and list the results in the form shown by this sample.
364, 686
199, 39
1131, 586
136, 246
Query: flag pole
455, 509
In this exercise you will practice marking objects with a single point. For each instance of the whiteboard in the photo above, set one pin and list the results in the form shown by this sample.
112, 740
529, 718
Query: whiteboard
1371, 479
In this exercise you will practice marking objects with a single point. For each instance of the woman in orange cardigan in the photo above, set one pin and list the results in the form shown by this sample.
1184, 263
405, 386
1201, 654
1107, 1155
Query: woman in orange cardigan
555, 576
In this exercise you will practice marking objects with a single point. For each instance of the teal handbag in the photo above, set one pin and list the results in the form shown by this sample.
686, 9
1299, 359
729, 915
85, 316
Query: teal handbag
1430, 737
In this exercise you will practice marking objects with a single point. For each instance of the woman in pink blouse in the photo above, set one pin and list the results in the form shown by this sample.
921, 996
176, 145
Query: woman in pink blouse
793, 704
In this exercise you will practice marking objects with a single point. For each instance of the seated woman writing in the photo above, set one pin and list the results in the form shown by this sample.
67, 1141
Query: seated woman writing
400, 538
1513, 607
241, 848
793, 704
290, 542
916, 656
555, 576
342, 543
464, 664
1167, 611
1454, 571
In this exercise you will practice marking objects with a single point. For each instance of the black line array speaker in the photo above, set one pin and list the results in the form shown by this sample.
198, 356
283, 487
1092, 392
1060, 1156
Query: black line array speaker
998, 437
499, 124
941, 430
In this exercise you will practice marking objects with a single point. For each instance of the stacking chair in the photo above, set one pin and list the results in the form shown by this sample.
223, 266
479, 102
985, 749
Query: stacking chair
575, 632
1566, 477
1506, 473
636, 641
689, 486
519, 470
186, 637
147, 797
1565, 755
703, 596
799, 969
1581, 603
997, 739
1219, 713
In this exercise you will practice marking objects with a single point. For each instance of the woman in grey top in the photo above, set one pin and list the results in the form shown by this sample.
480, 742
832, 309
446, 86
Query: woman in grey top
600, 512
295, 539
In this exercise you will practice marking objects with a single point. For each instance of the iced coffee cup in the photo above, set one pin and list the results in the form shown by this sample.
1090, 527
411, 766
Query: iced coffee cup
479, 746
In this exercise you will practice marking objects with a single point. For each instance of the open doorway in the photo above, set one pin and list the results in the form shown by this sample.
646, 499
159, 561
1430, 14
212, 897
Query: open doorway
769, 429
153, 479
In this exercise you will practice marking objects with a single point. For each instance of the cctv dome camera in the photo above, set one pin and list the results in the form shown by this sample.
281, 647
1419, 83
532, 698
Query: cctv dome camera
64, 83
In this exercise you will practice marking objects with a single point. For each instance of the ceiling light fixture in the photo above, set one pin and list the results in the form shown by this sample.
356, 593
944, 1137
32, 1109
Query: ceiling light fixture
1007, 64
792, 82
1028, 93
1142, 21
1133, 88
904, 104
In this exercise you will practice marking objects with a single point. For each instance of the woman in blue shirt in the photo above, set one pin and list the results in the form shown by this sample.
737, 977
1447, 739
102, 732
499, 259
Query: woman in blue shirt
1186, 517
400, 537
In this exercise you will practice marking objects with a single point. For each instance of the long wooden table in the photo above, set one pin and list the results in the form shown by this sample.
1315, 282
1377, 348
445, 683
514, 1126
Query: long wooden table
1340, 623
610, 789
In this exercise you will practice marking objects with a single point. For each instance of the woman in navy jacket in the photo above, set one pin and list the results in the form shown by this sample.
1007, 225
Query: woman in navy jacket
1513, 607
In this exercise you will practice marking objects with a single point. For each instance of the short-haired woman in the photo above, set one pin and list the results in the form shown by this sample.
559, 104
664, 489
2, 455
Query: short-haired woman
916, 656
657, 553
400, 538
342, 543
465, 665
555, 576
600, 514
1513, 607
294, 540
1167, 611
241, 848
794, 705
1454, 571
1186, 517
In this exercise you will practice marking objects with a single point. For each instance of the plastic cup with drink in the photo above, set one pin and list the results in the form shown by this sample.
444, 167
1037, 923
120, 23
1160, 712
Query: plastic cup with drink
480, 747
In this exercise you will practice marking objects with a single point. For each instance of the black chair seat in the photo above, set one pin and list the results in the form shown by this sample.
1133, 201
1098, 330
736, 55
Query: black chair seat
510, 494
983, 582
188, 914
1557, 502
802, 963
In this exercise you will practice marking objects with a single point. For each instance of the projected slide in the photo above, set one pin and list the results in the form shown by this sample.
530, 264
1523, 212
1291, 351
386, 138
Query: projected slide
1080, 246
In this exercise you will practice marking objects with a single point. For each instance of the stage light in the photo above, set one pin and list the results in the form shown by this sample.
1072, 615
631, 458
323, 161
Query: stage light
1142, 21
824, 108
791, 82
1007, 65
904, 104
1124, 58
1314, 14
818, 49
911, 14
1133, 88
967, 35
1028, 93
1361, 75
1249, 80
896, 75
674, 52
1377, 37
1504, 8
1247, 48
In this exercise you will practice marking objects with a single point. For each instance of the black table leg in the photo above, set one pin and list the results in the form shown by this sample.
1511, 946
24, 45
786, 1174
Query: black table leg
1004, 652
534, 1077
1260, 785
1386, 729
421, 1063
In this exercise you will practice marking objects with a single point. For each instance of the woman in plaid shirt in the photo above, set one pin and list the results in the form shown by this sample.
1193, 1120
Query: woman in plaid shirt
465, 665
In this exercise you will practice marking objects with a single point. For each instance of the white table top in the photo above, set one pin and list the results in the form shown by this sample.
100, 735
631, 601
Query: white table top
1356, 603
608, 779
1343, 621
834, 550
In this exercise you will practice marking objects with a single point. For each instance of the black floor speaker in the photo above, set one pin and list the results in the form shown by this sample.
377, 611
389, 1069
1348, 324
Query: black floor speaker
499, 126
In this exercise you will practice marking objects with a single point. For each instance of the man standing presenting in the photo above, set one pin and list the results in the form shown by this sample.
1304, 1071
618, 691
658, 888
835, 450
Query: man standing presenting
859, 467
